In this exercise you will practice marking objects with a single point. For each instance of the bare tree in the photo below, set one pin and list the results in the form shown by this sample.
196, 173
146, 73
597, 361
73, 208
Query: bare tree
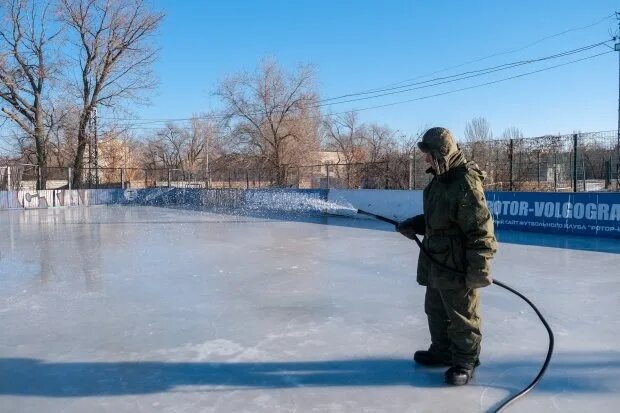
113, 55
27, 36
202, 143
380, 141
380, 146
409, 144
268, 112
478, 129
477, 143
62, 121
166, 149
512, 133
185, 148
344, 134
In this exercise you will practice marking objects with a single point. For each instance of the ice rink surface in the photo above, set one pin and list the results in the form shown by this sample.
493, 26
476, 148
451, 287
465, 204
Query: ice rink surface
143, 309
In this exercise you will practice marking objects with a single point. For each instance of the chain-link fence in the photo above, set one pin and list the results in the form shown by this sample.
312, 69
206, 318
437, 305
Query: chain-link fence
576, 162
361, 175
19, 177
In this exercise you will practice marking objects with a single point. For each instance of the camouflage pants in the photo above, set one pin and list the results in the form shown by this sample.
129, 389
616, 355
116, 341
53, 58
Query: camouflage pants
454, 324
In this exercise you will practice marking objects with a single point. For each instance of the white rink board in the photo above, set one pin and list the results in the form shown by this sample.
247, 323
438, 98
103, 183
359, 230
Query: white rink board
394, 204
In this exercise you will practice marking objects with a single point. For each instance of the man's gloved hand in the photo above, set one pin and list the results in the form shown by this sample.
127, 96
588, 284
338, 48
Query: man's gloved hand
412, 226
478, 282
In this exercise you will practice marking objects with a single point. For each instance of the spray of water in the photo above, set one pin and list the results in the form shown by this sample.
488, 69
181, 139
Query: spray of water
295, 202
247, 202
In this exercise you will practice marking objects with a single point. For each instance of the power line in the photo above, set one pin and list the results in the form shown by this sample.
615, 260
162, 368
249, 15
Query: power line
481, 84
471, 74
617, 49
441, 93
400, 89
572, 29
510, 50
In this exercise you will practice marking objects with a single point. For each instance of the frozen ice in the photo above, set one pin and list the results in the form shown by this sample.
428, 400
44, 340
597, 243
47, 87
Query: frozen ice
130, 309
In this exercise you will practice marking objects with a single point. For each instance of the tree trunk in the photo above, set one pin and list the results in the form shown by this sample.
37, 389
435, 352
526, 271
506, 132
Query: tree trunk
40, 145
41, 163
78, 162
276, 163
280, 172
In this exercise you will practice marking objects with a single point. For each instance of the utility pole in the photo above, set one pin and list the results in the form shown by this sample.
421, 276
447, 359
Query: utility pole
208, 180
617, 49
93, 151
96, 146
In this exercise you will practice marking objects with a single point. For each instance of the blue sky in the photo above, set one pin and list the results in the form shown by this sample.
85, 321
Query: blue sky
357, 45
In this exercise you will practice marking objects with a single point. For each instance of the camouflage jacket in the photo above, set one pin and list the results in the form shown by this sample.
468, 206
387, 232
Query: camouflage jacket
458, 230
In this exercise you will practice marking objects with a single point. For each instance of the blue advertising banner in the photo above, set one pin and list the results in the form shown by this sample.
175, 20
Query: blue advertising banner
584, 213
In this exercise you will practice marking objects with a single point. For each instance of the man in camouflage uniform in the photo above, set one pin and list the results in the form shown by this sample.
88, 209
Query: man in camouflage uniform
458, 233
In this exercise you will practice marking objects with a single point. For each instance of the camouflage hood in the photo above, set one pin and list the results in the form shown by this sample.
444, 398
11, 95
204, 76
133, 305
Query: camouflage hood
441, 145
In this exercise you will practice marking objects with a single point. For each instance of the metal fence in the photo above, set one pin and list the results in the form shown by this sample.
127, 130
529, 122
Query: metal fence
577, 162
362, 175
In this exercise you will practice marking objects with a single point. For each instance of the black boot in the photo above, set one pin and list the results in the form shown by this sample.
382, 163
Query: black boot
426, 358
458, 376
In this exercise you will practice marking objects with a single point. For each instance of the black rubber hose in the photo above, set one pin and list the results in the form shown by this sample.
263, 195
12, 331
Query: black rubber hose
529, 387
